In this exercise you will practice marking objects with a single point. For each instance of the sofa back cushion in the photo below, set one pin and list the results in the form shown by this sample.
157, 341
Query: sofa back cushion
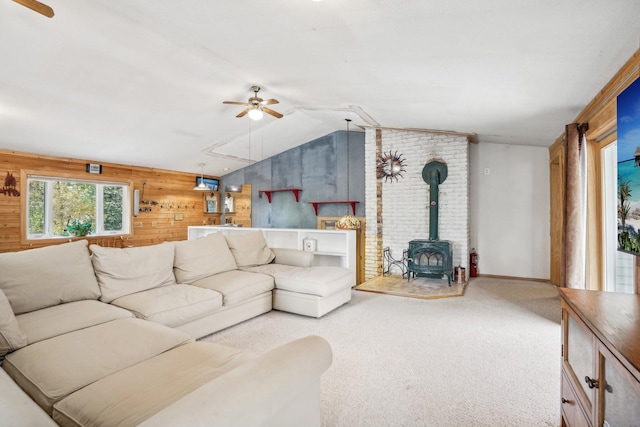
44, 277
11, 336
196, 259
250, 249
125, 271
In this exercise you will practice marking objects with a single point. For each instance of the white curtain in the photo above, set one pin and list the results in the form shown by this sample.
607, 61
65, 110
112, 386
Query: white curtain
575, 208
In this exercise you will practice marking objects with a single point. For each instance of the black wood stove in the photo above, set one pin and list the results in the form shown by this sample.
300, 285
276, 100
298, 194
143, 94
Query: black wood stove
431, 258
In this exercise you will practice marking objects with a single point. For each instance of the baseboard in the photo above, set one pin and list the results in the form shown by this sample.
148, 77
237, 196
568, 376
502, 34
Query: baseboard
493, 276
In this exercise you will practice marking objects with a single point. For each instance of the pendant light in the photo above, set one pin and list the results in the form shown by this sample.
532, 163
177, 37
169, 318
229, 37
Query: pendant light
348, 222
202, 186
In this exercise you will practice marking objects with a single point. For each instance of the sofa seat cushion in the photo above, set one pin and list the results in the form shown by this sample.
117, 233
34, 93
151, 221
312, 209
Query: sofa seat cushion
203, 257
126, 271
319, 280
43, 277
60, 319
171, 305
237, 286
136, 393
51, 369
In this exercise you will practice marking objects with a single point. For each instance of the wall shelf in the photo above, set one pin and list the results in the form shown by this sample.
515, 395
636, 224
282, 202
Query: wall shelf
335, 202
295, 191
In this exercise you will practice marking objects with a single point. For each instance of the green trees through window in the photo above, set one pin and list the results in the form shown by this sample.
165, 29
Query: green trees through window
35, 206
65, 207
113, 198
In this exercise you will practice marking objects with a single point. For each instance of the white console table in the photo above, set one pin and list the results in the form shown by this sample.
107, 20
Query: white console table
333, 247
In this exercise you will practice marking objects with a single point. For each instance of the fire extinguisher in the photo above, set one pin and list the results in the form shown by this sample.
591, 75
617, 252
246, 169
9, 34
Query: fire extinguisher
473, 263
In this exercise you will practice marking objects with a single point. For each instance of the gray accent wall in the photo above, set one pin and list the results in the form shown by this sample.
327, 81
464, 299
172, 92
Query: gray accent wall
319, 168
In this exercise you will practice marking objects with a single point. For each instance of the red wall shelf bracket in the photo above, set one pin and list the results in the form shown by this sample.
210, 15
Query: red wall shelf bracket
295, 191
336, 202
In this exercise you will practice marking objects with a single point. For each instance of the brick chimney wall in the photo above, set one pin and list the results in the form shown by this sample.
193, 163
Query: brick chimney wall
402, 208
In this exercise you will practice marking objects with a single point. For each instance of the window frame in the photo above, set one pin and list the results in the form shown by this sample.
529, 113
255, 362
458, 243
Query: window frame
26, 174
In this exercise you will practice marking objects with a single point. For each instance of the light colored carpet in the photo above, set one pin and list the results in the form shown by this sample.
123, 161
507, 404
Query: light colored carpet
489, 358
417, 287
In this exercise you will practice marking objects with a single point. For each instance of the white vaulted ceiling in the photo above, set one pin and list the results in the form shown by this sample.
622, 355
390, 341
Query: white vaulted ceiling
142, 82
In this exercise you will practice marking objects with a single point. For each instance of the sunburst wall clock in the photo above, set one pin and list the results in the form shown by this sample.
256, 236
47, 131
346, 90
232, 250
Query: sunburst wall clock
390, 166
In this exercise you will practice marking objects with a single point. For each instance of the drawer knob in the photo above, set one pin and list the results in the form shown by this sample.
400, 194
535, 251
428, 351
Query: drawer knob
590, 382
566, 401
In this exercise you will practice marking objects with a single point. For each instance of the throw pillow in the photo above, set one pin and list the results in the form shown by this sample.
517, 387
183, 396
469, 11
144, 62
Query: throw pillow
122, 272
44, 277
250, 249
200, 258
11, 336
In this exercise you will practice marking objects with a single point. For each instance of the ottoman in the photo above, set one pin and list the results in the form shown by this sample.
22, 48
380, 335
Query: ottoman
310, 291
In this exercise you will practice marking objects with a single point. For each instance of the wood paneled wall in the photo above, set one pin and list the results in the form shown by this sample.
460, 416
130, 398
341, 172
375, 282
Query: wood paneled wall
600, 113
173, 192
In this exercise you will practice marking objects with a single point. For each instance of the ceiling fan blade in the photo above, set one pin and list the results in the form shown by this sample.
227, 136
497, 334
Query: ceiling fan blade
270, 102
243, 113
235, 103
41, 8
273, 113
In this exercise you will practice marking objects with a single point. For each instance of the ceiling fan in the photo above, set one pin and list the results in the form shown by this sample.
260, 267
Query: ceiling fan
256, 106
41, 8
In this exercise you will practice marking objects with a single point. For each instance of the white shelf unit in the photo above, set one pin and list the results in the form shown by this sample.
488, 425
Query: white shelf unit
333, 247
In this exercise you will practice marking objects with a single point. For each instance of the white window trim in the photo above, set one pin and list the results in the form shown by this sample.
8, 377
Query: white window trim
47, 176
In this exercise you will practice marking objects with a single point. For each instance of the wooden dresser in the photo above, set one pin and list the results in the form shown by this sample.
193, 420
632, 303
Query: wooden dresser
600, 358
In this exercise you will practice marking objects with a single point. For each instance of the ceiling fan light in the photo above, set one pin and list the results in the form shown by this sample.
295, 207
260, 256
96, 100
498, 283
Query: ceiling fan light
256, 113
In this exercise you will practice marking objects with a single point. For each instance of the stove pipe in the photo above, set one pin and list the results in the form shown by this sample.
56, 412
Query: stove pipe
434, 173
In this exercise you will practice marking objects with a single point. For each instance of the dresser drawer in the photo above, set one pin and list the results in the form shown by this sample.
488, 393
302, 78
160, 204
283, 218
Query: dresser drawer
572, 412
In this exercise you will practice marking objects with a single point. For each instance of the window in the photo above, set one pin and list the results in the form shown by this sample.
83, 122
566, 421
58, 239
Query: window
62, 207
619, 267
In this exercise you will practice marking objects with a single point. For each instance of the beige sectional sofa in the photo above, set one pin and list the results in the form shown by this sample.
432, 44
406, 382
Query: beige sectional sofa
109, 338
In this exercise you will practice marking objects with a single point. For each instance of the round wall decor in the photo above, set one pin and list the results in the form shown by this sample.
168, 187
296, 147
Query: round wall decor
390, 166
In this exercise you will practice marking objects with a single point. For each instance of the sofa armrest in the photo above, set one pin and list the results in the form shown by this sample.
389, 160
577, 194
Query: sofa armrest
16, 407
294, 257
278, 388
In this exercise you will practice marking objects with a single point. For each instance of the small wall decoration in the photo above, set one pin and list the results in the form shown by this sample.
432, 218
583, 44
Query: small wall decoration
10, 185
93, 168
228, 203
390, 166
212, 204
